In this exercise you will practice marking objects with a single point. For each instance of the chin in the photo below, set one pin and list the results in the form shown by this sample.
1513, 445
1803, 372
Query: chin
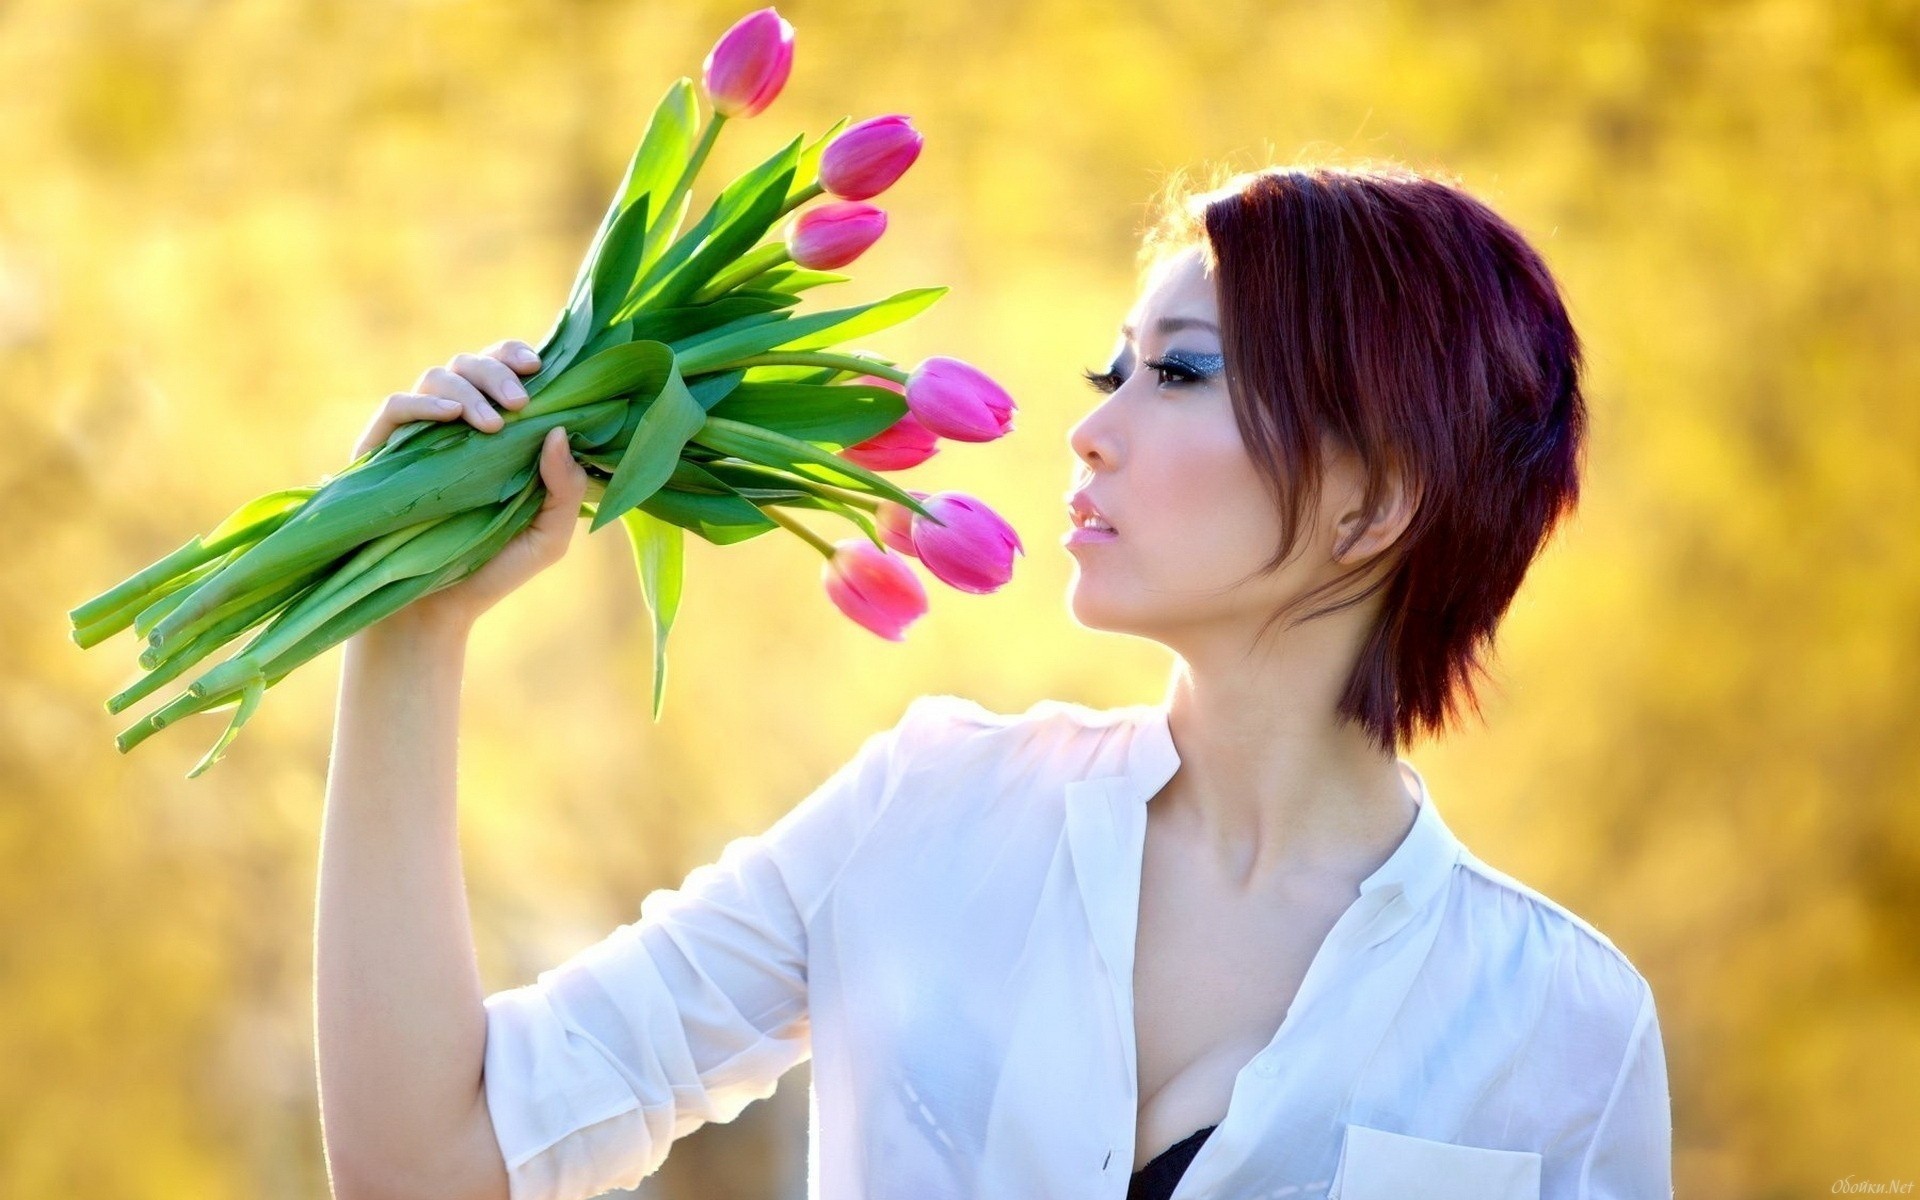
1092, 606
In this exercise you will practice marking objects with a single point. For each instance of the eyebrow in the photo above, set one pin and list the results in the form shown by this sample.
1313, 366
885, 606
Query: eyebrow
1173, 325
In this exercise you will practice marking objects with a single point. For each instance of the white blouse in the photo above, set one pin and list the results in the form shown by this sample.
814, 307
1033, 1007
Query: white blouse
946, 926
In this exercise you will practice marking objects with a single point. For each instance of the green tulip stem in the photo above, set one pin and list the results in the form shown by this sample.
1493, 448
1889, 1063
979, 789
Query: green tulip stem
819, 543
252, 522
801, 197
113, 621
857, 499
820, 358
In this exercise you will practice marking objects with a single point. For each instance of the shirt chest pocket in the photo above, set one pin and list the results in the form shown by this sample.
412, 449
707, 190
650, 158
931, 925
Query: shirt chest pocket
1376, 1164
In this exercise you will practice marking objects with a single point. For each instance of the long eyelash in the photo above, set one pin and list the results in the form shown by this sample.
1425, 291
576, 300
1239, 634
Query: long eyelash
1178, 370
1110, 380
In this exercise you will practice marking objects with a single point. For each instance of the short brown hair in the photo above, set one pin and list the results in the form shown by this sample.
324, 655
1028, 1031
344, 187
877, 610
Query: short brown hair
1391, 313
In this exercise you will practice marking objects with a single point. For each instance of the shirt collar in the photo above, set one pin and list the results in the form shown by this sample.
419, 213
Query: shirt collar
1418, 868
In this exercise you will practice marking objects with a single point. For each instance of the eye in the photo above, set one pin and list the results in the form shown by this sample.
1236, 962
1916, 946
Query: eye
1166, 366
1110, 380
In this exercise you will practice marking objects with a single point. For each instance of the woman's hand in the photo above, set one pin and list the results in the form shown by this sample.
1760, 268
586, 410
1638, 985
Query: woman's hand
467, 388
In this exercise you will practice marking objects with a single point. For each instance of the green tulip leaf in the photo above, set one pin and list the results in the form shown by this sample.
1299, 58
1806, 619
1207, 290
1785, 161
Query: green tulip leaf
811, 331
659, 554
841, 414
653, 452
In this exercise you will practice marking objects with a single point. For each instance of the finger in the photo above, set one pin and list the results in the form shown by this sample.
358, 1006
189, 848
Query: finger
480, 413
401, 408
565, 478
516, 354
492, 377
566, 483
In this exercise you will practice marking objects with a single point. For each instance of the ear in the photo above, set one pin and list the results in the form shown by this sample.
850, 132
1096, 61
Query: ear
1375, 532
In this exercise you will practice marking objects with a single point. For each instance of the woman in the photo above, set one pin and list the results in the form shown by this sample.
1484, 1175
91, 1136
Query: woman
1220, 946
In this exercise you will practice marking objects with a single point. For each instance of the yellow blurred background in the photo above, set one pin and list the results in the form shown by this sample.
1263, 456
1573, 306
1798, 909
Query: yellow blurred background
228, 230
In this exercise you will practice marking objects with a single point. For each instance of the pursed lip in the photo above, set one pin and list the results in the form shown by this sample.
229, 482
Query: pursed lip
1080, 507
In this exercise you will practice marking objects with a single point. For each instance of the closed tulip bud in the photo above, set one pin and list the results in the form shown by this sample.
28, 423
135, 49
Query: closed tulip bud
958, 401
905, 443
875, 587
834, 234
973, 550
749, 65
866, 159
895, 523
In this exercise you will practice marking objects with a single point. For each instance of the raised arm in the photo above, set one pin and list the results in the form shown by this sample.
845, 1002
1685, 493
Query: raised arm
399, 1024
578, 1082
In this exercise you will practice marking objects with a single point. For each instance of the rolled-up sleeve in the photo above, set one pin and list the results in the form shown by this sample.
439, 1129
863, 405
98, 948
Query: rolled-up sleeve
688, 1014
1631, 1155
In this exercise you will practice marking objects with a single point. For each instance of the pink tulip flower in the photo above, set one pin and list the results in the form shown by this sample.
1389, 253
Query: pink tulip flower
875, 587
895, 523
973, 551
958, 401
749, 65
833, 234
905, 443
867, 158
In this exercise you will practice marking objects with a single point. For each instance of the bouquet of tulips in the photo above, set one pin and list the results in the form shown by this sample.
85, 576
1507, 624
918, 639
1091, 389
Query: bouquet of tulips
693, 398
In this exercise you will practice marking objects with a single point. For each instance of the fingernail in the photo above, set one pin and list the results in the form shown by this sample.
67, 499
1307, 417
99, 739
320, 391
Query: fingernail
446, 405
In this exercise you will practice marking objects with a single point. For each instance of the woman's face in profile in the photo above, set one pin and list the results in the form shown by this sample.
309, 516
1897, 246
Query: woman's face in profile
1163, 461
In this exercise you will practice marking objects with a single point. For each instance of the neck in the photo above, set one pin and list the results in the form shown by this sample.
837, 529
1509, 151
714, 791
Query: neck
1270, 780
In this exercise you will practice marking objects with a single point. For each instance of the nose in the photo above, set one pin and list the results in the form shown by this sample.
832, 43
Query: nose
1088, 440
